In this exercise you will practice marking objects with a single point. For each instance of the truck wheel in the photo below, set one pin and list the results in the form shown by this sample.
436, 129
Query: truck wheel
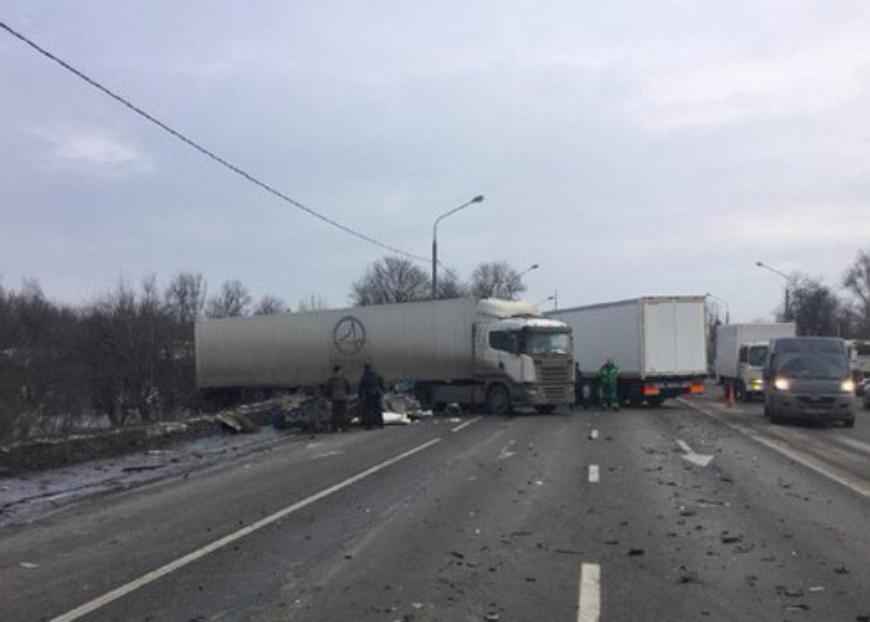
774, 416
498, 400
740, 394
655, 402
849, 423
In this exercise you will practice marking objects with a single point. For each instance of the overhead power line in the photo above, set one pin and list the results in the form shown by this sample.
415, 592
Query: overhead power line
206, 152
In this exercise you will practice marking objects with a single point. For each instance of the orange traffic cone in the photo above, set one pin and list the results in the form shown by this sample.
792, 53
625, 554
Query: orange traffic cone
729, 396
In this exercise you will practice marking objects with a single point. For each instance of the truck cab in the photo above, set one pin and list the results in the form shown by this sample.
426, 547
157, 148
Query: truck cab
525, 361
750, 370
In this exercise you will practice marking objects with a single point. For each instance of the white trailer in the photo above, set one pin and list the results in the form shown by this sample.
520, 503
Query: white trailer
740, 352
658, 343
490, 352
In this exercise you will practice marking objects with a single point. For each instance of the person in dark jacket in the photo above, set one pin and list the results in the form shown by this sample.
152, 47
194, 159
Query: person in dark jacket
371, 390
338, 390
579, 395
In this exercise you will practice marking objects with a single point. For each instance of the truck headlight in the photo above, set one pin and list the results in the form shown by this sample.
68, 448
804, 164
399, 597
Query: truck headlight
781, 384
848, 386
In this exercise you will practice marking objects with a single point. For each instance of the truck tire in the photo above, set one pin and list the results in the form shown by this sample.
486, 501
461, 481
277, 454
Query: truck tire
498, 400
655, 402
849, 423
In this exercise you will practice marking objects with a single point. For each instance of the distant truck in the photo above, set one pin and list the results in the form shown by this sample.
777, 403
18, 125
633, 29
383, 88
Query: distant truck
859, 355
492, 353
658, 342
740, 352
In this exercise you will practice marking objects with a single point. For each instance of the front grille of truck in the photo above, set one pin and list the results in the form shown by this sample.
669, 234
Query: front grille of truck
553, 380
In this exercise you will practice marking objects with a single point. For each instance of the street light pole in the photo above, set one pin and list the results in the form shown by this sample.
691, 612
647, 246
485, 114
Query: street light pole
477, 199
763, 265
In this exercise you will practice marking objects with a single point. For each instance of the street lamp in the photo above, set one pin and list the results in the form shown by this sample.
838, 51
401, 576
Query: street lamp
477, 199
763, 265
727, 306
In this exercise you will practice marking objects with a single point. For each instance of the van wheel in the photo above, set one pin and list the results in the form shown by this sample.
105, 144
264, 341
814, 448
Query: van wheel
774, 416
498, 400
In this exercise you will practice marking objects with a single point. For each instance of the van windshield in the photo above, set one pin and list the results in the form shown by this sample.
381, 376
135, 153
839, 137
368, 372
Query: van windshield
822, 360
547, 343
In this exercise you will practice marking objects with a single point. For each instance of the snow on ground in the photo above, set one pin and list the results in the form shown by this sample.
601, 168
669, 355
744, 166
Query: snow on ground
26, 497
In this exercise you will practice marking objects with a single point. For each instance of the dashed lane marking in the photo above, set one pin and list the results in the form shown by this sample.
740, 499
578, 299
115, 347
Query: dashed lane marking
589, 598
852, 483
465, 424
594, 475
150, 577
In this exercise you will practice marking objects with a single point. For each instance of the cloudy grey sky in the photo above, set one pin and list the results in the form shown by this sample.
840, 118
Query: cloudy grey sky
629, 147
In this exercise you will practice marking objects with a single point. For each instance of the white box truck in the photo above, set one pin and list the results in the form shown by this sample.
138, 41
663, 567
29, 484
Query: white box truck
658, 343
492, 353
740, 352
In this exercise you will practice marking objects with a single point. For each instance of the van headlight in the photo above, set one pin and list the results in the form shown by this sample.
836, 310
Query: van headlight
848, 386
781, 384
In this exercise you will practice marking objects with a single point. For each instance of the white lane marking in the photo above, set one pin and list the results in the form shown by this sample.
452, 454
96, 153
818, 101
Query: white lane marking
467, 423
841, 477
852, 442
689, 455
172, 566
593, 435
326, 454
594, 474
589, 599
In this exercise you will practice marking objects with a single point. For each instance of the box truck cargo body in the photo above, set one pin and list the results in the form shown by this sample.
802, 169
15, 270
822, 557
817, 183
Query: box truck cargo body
488, 352
740, 353
658, 343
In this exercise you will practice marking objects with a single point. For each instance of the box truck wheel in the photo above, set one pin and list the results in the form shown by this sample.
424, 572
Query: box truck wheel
498, 400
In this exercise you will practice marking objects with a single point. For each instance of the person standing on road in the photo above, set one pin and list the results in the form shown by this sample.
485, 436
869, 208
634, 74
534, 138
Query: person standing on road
579, 395
338, 390
371, 390
607, 379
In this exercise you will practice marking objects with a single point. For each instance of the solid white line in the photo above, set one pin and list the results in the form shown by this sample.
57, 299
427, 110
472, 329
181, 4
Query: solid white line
593, 473
593, 434
467, 423
589, 599
852, 442
152, 576
832, 473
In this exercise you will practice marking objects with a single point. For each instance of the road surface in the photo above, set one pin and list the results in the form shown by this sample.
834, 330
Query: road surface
692, 511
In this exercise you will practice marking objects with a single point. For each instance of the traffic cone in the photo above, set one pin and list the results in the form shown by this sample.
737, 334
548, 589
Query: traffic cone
729, 396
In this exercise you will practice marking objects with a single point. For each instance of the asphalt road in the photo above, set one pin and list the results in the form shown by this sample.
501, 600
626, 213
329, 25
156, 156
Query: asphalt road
687, 512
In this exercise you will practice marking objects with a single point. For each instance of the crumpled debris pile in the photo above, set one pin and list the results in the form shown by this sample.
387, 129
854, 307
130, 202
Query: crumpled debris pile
405, 405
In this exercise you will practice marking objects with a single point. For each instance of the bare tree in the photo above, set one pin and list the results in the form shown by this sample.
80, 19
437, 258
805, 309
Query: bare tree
271, 305
451, 286
185, 296
233, 300
813, 307
314, 303
496, 279
389, 280
857, 281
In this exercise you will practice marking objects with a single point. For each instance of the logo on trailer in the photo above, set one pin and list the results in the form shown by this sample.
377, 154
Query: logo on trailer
349, 336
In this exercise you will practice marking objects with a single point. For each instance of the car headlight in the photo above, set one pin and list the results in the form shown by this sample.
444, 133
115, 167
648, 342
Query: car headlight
848, 386
781, 384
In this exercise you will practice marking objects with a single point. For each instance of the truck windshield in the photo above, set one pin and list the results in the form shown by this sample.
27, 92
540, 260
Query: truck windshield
547, 343
810, 359
756, 355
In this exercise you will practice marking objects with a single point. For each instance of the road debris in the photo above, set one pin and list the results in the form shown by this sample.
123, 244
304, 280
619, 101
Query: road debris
28, 565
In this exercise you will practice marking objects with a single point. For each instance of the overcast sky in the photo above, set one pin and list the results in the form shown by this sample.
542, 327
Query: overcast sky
630, 148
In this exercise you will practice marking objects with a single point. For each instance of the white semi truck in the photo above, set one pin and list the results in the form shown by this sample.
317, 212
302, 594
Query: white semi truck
493, 353
740, 352
658, 343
